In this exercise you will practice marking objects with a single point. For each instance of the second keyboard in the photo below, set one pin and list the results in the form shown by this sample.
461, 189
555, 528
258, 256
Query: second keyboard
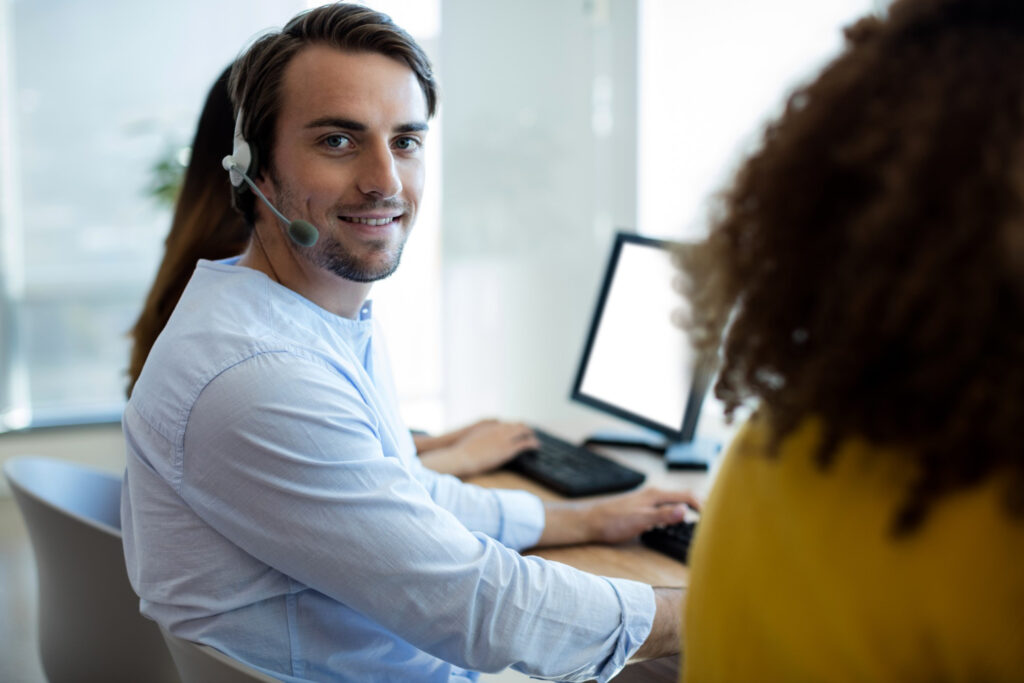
572, 470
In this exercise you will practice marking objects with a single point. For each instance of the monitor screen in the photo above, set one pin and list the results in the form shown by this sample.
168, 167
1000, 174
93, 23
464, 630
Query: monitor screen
637, 363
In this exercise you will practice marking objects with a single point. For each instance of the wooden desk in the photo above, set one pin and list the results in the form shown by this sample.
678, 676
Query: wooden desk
628, 560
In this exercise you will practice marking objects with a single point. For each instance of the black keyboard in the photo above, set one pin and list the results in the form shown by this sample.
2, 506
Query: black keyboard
673, 539
573, 471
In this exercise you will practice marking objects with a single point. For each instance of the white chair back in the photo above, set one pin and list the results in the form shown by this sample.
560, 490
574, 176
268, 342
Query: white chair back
90, 628
202, 664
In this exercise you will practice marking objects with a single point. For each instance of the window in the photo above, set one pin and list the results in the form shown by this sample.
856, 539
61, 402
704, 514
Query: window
712, 74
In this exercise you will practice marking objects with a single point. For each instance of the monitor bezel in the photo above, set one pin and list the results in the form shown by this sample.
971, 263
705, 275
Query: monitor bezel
701, 372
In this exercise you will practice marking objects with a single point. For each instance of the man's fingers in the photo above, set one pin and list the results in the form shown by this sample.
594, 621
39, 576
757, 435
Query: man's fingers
530, 443
668, 514
524, 429
663, 497
515, 432
523, 442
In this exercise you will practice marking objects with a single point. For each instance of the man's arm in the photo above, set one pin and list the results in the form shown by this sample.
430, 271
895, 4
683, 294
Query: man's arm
667, 631
613, 519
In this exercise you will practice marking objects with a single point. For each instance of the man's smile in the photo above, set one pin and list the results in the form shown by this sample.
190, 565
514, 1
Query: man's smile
373, 222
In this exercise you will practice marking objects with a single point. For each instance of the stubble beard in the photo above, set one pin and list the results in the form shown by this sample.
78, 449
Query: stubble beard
330, 254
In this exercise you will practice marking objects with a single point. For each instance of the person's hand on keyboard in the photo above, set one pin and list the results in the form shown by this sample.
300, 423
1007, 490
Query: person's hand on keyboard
614, 519
478, 448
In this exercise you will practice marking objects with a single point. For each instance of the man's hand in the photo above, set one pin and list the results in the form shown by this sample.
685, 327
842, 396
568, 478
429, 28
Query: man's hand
613, 519
428, 442
480, 447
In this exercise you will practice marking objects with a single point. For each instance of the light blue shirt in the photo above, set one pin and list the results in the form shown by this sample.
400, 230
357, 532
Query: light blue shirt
274, 507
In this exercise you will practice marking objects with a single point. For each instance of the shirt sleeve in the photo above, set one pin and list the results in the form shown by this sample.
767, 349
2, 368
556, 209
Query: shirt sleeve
513, 518
283, 456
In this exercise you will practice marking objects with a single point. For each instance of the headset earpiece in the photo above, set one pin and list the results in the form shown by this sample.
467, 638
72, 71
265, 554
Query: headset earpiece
240, 164
240, 159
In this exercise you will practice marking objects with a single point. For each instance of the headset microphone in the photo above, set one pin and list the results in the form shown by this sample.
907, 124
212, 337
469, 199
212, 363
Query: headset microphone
237, 163
301, 232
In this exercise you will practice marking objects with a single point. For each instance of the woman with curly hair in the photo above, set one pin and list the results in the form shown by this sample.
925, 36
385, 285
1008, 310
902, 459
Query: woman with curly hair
863, 282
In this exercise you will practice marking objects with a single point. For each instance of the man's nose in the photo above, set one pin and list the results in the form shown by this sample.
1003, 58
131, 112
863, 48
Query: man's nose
378, 173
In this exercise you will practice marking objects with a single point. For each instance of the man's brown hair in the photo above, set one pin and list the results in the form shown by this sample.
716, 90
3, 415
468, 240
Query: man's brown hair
867, 264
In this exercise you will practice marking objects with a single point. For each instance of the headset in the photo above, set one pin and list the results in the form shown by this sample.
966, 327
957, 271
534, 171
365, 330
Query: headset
237, 164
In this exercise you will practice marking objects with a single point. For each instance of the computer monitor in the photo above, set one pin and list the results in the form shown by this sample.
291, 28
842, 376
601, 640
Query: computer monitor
637, 363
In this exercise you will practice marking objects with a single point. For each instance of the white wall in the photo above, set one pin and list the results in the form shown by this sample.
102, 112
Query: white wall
539, 102
713, 74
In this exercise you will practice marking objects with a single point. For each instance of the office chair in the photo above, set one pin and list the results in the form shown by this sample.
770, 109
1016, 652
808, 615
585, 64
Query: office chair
90, 628
203, 664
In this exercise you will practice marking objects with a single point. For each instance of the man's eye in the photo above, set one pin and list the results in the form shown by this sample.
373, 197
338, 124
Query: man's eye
407, 143
337, 141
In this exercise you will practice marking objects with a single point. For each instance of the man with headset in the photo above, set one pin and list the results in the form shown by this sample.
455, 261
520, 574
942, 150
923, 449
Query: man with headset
273, 505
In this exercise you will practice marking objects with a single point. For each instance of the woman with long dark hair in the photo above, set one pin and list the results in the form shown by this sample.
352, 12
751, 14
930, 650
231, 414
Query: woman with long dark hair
204, 225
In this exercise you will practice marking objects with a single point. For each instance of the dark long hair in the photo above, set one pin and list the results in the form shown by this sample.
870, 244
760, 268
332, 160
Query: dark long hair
867, 264
204, 226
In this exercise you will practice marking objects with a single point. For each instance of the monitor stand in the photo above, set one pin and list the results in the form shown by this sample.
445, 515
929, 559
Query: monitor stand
691, 455
684, 455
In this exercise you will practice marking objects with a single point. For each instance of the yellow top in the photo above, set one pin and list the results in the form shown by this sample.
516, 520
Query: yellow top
795, 577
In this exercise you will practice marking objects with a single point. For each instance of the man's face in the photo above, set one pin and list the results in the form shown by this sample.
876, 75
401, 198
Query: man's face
348, 157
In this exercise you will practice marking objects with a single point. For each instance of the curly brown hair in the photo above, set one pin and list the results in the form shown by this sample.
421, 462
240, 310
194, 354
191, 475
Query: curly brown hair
866, 266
